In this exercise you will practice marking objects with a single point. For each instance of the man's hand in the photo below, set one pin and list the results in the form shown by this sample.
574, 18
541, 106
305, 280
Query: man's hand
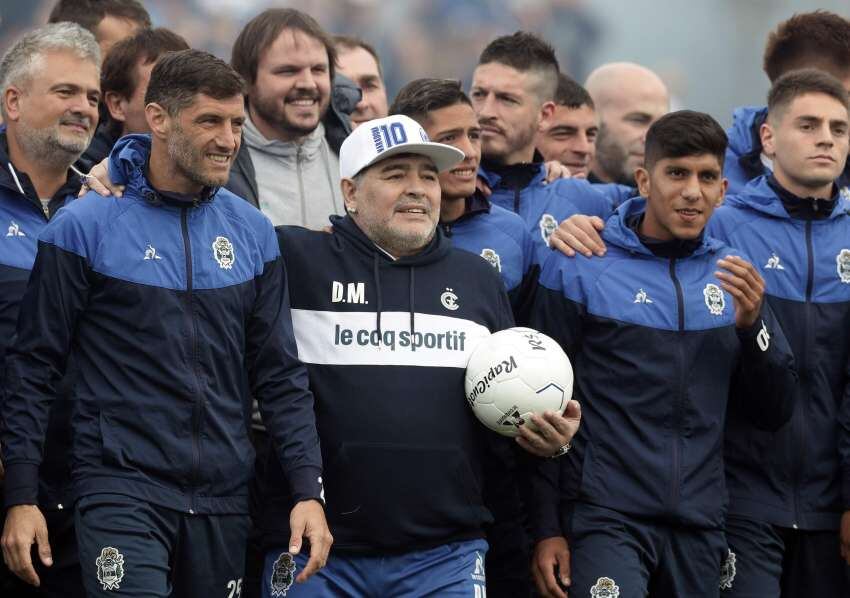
25, 526
551, 554
98, 181
579, 233
307, 520
553, 432
845, 536
745, 284
555, 170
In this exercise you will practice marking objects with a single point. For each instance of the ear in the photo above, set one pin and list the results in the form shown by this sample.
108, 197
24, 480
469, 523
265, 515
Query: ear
12, 97
768, 139
642, 180
158, 120
115, 103
547, 111
349, 194
724, 187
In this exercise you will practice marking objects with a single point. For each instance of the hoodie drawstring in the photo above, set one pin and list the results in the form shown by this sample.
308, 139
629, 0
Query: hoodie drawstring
377, 276
412, 312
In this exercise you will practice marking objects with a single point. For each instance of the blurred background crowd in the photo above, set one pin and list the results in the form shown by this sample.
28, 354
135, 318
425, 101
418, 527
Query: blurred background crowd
708, 52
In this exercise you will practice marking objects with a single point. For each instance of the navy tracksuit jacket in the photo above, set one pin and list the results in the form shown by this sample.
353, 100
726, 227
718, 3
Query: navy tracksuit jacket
173, 310
654, 347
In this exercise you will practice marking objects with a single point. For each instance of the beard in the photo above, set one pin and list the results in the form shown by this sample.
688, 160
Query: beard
509, 144
612, 157
274, 112
49, 144
189, 160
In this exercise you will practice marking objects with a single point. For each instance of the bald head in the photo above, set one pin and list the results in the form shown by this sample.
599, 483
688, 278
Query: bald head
629, 98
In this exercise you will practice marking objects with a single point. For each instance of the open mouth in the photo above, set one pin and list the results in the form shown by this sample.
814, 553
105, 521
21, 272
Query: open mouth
221, 159
689, 214
303, 102
464, 173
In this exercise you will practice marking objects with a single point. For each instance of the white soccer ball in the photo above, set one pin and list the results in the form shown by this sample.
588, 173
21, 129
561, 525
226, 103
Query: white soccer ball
514, 373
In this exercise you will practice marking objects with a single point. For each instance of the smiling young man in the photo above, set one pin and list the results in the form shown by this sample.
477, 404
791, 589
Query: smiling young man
172, 303
785, 510
658, 331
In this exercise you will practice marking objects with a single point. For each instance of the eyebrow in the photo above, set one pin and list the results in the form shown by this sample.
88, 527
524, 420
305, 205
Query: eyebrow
369, 79
455, 131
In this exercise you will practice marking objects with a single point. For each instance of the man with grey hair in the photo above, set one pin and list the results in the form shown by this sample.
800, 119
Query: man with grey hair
50, 90
629, 98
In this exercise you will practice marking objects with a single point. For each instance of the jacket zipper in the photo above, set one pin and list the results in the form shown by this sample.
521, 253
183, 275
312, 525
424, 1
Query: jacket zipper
300, 187
197, 409
517, 192
677, 399
798, 429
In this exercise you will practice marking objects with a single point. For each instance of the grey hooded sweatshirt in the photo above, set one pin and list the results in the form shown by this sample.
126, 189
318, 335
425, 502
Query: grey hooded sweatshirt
296, 183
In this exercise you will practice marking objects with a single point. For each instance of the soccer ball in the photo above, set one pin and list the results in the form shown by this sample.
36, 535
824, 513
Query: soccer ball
514, 373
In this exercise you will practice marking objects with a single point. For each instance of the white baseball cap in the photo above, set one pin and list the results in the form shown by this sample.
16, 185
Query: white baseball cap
381, 138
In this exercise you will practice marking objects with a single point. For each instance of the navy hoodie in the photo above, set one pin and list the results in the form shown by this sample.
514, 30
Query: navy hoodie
21, 220
386, 344
793, 478
655, 350
173, 310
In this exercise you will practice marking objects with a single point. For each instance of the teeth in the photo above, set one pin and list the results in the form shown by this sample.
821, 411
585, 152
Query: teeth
303, 102
464, 172
219, 158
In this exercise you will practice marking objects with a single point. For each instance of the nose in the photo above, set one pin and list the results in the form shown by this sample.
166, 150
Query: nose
470, 148
583, 145
486, 107
825, 137
227, 138
306, 80
692, 190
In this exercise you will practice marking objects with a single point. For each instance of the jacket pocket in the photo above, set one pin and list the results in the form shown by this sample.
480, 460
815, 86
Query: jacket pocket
402, 493
150, 437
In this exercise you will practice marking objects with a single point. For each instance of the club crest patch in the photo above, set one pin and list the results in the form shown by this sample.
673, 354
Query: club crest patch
727, 572
223, 253
548, 224
491, 256
110, 568
605, 588
283, 574
714, 299
842, 261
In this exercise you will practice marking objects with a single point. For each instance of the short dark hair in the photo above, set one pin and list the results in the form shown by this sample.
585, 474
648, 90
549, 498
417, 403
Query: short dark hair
525, 52
571, 94
349, 42
813, 39
421, 96
118, 70
264, 29
684, 133
794, 84
89, 13
178, 77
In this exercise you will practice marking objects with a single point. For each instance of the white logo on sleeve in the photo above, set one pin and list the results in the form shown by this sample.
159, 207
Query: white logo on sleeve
151, 254
15, 230
605, 588
773, 263
642, 297
110, 568
224, 253
714, 299
842, 261
491, 256
449, 300
478, 572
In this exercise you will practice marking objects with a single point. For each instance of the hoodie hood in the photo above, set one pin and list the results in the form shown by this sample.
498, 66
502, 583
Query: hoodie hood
619, 232
437, 249
744, 133
758, 195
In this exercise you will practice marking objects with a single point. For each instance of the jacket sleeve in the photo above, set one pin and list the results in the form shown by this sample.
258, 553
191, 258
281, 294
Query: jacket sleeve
766, 379
522, 296
557, 312
279, 380
56, 295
